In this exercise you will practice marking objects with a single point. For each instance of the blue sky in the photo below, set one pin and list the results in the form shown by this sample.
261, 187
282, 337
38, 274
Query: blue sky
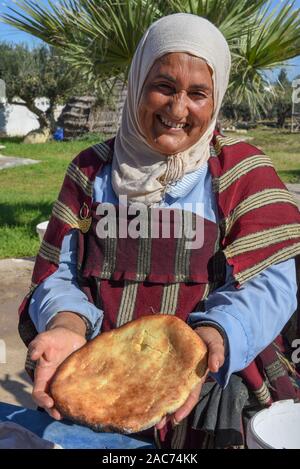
13, 35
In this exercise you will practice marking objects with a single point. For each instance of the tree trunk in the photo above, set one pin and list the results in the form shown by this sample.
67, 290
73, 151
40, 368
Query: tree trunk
42, 116
282, 113
281, 116
50, 116
280, 120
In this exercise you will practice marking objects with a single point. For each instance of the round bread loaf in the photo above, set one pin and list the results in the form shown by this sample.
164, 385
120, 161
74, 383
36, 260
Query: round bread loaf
127, 379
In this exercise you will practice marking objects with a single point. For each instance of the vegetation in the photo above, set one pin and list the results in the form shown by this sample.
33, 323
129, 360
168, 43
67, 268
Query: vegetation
283, 101
276, 111
34, 73
283, 148
28, 192
99, 38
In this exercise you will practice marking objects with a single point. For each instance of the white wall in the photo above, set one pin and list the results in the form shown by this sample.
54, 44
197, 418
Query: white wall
16, 120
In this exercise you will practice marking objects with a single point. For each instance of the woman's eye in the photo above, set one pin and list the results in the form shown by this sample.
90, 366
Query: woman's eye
198, 95
164, 87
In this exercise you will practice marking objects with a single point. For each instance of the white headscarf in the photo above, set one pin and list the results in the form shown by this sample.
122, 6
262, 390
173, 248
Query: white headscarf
138, 171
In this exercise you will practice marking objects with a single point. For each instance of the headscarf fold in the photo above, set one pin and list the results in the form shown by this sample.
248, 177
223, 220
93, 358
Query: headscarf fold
138, 171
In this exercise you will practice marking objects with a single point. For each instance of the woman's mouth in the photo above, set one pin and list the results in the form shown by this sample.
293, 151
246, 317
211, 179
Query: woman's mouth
171, 125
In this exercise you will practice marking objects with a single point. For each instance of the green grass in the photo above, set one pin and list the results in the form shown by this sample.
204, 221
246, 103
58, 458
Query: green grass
28, 192
283, 148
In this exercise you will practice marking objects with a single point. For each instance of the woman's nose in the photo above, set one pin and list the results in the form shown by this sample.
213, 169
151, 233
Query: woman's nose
178, 106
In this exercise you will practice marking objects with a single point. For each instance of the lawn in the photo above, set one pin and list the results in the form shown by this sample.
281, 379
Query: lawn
28, 192
284, 149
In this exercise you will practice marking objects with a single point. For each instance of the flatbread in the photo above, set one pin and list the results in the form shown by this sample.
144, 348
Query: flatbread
127, 379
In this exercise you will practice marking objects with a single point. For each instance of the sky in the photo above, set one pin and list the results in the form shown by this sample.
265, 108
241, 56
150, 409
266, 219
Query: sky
13, 35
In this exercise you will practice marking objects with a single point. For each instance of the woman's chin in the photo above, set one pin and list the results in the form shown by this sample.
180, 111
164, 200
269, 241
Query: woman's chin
168, 145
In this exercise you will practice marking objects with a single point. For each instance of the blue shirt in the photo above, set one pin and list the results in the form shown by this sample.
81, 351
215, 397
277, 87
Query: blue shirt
251, 316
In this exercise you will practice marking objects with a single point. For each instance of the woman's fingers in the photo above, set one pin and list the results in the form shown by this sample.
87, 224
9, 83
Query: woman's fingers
162, 423
49, 349
42, 399
54, 413
215, 345
43, 373
43, 354
41, 348
189, 404
184, 410
39, 394
215, 356
36, 349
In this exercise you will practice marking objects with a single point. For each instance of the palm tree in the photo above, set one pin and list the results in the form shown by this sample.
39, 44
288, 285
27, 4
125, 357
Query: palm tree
99, 37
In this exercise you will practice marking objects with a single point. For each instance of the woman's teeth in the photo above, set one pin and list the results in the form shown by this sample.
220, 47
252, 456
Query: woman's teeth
170, 124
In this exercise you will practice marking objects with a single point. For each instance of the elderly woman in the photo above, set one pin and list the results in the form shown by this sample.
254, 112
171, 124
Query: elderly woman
237, 289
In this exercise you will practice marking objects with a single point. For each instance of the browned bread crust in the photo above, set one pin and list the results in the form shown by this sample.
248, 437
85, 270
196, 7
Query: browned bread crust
127, 379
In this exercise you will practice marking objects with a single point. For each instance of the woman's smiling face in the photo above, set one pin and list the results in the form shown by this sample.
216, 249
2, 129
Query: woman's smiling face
176, 104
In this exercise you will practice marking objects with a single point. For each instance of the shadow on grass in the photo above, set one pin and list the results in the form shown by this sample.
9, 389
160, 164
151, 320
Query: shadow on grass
4, 140
24, 214
292, 175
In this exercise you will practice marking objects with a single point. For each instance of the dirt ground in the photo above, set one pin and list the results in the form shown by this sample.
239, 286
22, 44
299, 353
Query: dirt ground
15, 386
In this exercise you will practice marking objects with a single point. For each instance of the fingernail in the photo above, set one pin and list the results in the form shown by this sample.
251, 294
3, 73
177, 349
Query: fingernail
174, 422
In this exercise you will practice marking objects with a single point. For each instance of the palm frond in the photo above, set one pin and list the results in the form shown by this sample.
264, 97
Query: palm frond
99, 37
275, 40
232, 17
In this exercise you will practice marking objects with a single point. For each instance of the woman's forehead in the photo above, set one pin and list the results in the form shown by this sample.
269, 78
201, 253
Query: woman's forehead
183, 56
176, 63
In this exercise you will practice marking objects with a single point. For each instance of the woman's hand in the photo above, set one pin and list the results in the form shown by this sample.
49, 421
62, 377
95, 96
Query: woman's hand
215, 345
49, 349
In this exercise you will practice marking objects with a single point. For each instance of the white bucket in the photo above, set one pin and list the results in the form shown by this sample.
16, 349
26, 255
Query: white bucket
277, 427
41, 229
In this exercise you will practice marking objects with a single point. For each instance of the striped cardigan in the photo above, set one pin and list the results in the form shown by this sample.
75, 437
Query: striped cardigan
259, 219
